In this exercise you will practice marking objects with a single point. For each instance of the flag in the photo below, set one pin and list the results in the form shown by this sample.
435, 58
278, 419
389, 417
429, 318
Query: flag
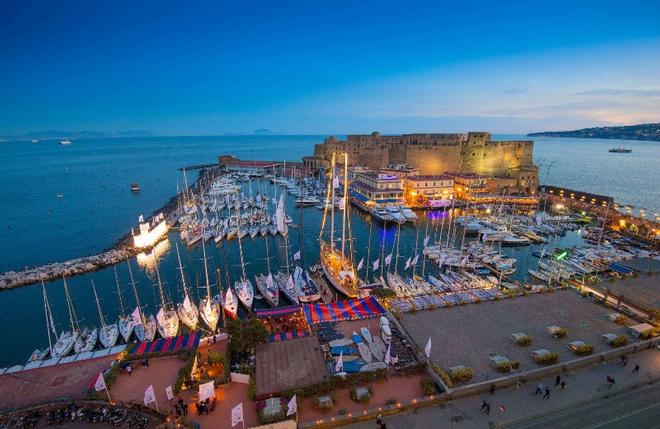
186, 303
137, 319
388, 355
169, 392
359, 267
100, 383
237, 414
388, 259
339, 366
292, 407
375, 265
441, 261
427, 349
206, 390
407, 263
149, 395
335, 182
296, 255
415, 259
426, 240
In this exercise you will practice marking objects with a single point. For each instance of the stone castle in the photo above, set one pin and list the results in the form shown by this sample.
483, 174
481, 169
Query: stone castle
509, 163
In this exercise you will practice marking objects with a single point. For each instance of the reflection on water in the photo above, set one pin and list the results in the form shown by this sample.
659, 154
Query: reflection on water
149, 260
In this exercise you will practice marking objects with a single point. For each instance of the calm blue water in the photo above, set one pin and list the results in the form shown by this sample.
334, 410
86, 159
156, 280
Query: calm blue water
98, 208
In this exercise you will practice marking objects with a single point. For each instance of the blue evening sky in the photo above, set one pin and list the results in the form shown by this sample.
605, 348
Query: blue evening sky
194, 68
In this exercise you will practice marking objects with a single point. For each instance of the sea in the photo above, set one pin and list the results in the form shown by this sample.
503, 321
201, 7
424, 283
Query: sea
61, 202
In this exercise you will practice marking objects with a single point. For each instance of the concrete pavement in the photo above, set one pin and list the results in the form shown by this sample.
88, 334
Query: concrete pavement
586, 388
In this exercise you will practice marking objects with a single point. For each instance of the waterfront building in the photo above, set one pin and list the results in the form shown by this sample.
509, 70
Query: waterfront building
433, 154
466, 184
150, 231
400, 170
370, 189
429, 190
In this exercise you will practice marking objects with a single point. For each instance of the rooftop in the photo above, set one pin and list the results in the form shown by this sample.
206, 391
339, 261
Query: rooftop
284, 365
430, 177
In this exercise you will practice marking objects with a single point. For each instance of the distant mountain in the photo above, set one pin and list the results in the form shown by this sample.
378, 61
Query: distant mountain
628, 132
56, 134
262, 132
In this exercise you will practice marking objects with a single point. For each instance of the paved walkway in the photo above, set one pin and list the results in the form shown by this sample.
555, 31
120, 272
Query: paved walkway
583, 386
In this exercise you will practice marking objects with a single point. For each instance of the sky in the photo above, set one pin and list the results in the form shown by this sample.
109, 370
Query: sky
327, 67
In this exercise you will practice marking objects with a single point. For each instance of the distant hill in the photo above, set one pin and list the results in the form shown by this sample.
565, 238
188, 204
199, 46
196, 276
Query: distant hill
57, 134
628, 132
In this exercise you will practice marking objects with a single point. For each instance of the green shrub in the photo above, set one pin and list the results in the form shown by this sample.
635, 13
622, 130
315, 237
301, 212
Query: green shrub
252, 388
503, 367
443, 376
619, 341
548, 359
560, 333
365, 398
265, 419
216, 358
620, 319
515, 364
185, 371
524, 340
461, 375
325, 405
428, 387
583, 349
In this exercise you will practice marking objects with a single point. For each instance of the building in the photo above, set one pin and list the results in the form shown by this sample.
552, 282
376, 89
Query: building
467, 183
400, 170
369, 189
434, 154
428, 191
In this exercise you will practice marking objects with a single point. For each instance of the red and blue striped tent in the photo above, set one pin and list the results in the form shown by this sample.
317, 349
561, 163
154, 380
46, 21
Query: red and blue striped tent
173, 344
283, 336
353, 309
277, 311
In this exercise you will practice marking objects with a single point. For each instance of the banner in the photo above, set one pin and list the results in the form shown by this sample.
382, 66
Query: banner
427, 349
407, 263
415, 259
149, 395
137, 319
375, 264
206, 390
237, 415
426, 240
388, 259
100, 383
296, 255
292, 407
359, 267
169, 392
339, 366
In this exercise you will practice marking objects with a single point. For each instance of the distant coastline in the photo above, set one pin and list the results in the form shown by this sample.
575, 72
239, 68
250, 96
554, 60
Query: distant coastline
646, 132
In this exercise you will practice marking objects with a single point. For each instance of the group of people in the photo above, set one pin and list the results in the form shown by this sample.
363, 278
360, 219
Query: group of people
180, 407
205, 406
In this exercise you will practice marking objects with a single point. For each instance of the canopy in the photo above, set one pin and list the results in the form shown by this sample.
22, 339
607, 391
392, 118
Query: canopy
168, 345
287, 335
277, 311
353, 309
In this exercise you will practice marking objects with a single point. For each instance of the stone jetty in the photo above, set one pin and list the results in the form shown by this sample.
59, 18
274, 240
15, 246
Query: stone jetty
12, 279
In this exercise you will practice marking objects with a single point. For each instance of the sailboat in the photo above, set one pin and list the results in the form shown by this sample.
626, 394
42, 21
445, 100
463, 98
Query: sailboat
167, 320
87, 338
336, 263
108, 334
50, 327
126, 323
66, 340
210, 308
144, 326
230, 303
266, 285
244, 287
188, 311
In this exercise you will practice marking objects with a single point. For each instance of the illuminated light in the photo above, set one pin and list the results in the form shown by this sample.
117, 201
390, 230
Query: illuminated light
488, 210
562, 255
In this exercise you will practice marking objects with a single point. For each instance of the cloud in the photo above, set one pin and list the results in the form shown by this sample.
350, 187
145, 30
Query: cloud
620, 92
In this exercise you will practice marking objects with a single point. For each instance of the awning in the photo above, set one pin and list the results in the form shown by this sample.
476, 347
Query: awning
174, 344
277, 311
353, 309
300, 333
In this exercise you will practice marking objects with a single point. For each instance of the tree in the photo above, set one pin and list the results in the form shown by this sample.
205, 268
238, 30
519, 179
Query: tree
244, 335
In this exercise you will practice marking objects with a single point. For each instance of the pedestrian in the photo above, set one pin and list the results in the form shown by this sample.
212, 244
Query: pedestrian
185, 409
484, 404
636, 369
610, 381
547, 393
129, 369
557, 380
624, 360
539, 389
518, 385
146, 362
492, 388
563, 385
177, 409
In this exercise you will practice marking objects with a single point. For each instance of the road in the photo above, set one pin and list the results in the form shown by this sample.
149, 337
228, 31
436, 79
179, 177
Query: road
638, 409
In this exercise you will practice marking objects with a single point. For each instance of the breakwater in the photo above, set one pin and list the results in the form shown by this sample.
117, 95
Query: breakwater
122, 250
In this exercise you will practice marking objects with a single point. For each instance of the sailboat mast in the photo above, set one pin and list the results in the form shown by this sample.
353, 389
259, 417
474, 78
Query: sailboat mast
267, 255
382, 250
240, 246
72, 311
121, 301
398, 240
160, 286
206, 272
416, 249
48, 316
98, 305
345, 203
366, 271
137, 299
426, 234
332, 202
183, 278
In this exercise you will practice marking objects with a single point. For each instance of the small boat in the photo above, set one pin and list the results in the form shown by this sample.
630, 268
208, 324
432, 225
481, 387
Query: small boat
230, 304
167, 320
342, 350
365, 352
273, 230
268, 289
108, 334
146, 329
309, 291
347, 358
620, 149
373, 366
376, 351
64, 344
135, 187
253, 230
341, 342
357, 338
38, 355
245, 292
366, 334
288, 287
378, 343
209, 308
231, 233
86, 340
65, 142
35, 140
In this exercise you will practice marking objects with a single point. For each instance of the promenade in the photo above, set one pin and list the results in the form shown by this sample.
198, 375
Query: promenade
583, 403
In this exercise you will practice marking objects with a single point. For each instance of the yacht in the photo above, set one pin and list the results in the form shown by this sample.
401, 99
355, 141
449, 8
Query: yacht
65, 142
409, 214
620, 149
